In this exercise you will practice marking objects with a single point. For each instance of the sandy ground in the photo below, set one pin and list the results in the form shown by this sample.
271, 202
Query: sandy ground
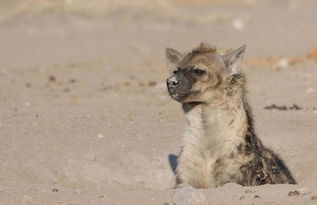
85, 117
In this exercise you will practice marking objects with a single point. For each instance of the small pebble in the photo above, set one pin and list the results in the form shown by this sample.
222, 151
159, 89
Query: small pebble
27, 199
256, 196
293, 193
283, 63
100, 136
295, 107
28, 85
52, 78
55, 190
242, 197
238, 24
310, 90
27, 104
283, 107
314, 198
248, 191
105, 88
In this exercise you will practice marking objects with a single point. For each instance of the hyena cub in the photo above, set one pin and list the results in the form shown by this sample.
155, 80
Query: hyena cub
220, 144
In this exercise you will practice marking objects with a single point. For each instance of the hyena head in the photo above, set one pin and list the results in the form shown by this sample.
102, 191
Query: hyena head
204, 74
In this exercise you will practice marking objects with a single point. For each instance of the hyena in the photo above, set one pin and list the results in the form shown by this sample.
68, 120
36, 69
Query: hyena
220, 144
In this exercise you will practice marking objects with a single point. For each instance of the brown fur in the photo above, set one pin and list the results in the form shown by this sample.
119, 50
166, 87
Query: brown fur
220, 144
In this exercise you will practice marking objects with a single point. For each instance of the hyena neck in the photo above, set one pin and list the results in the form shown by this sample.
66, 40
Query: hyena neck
217, 127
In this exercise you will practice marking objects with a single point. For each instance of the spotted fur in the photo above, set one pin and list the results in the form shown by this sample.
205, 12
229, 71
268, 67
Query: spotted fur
220, 145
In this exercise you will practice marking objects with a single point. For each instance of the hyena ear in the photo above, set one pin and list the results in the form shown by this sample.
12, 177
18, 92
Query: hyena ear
173, 57
233, 60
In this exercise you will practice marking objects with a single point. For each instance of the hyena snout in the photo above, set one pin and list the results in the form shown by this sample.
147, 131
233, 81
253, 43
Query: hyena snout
178, 87
172, 82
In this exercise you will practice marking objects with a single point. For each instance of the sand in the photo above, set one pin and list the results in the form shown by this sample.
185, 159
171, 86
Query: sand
85, 117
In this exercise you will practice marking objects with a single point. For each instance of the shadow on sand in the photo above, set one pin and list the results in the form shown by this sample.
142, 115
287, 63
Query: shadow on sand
172, 158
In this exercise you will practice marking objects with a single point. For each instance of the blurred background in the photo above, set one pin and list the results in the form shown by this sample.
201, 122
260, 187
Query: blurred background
84, 113
69, 30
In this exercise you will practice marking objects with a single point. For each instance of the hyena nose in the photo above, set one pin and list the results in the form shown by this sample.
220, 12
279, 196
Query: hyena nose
172, 82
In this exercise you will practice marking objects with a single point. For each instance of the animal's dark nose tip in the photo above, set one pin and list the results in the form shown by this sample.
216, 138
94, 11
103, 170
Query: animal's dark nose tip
175, 83
172, 82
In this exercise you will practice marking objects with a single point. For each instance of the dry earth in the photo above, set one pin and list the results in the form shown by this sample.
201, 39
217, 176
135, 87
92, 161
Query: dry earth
85, 117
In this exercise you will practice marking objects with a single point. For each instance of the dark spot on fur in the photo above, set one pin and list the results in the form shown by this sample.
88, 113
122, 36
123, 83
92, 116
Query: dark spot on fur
230, 123
187, 107
217, 80
248, 139
218, 167
239, 148
231, 155
178, 180
189, 75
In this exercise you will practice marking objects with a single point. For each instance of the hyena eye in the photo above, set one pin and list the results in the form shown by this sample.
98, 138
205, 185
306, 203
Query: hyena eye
175, 71
199, 72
